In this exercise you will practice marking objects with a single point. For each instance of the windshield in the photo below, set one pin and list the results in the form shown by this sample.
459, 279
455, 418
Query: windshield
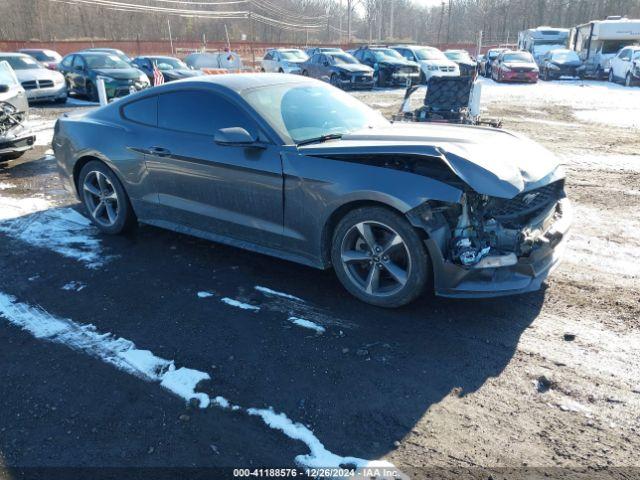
44, 57
493, 54
168, 63
568, 56
7, 77
22, 62
429, 54
342, 58
517, 57
386, 54
293, 55
105, 61
462, 56
302, 112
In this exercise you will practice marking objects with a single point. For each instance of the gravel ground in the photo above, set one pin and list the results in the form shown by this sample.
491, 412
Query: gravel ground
544, 380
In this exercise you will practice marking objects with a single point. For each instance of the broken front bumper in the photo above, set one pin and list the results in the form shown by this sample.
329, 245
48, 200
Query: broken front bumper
18, 139
485, 280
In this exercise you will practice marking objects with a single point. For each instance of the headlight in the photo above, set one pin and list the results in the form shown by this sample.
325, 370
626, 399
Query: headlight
58, 80
553, 66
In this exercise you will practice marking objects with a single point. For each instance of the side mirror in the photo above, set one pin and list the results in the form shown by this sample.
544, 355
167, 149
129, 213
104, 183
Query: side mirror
4, 88
235, 136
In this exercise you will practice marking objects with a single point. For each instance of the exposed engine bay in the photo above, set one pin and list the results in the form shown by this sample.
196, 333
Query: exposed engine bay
487, 232
15, 138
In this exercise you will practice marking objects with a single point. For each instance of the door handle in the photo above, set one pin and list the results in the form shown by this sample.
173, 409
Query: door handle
159, 151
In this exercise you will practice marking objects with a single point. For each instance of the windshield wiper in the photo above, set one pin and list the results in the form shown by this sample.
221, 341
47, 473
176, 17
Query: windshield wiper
320, 139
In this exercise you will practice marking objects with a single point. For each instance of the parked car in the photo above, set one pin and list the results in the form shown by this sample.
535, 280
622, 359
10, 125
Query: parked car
284, 60
40, 83
113, 51
625, 67
81, 71
313, 50
15, 137
513, 66
560, 63
390, 69
292, 167
48, 58
215, 60
340, 69
467, 65
170, 67
488, 59
432, 62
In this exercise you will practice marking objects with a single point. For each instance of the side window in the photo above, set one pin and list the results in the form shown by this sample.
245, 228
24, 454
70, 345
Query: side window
315, 59
199, 112
626, 54
67, 61
143, 111
407, 54
268, 56
78, 61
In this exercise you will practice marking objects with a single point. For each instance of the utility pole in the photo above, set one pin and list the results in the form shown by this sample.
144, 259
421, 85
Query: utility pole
170, 37
391, 21
340, 17
349, 2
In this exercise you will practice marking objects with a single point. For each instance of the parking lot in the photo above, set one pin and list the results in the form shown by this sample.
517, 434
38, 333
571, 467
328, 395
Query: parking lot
290, 369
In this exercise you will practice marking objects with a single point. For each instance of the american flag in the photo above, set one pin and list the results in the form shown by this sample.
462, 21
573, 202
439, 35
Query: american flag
158, 78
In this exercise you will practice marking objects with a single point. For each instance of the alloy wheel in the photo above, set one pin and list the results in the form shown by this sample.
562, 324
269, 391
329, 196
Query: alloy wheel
101, 198
375, 258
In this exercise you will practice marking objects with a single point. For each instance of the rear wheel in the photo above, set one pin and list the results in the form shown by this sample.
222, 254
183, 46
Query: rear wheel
334, 80
105, 199
379, 258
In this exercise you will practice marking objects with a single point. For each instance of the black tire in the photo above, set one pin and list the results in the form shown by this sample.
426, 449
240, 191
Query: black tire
125, 218
92, 92
5, 157
423, 78
628, 81
60, 101
305, 73
379, 79
546, 77
612, 77
280, 71
333, 80
402, 269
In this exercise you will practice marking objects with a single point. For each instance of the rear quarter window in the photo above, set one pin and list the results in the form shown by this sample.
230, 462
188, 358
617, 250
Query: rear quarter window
143, 111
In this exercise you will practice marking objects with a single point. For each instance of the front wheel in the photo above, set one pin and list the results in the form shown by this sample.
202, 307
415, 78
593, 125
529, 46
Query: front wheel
612, 77
92, 92
629, 81
105, 199
379, 257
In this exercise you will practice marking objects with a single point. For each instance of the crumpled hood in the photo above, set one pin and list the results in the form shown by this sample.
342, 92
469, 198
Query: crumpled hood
119, 73
395, 63
180, 73
37, 74
438, 63
354, 68
492, 162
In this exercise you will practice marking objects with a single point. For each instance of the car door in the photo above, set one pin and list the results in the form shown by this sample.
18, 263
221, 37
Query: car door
228, 192
622, 63
79, 74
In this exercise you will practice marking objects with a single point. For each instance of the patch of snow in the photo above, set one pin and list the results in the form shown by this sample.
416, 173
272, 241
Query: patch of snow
572, 406
626, 118
118, 352
319, 456
238, 304
75, 286
268, 291
125, 356
301, 322
62, 230
603, 162
6, 186
205, 294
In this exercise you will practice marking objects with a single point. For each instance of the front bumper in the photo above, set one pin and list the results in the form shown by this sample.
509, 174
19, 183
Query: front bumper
57, 92
16, 140
527, 275
293, 70
403, 78
520, 76
122, 88
356, 81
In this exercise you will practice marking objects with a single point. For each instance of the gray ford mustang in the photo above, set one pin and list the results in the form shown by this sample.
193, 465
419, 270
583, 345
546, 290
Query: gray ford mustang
292, 167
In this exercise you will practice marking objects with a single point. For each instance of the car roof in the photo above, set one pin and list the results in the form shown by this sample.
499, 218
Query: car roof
238, 82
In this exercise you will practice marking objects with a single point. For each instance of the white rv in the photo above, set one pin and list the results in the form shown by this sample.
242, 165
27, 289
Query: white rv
539, 41
597, 42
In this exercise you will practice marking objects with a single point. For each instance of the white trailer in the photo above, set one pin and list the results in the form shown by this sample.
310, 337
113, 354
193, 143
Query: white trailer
598, 41
539, 41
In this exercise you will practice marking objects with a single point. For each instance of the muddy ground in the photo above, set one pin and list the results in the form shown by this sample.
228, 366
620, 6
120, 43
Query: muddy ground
544, 380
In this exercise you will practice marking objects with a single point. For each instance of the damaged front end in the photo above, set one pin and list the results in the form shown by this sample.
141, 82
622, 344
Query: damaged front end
15, 137
489, 246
